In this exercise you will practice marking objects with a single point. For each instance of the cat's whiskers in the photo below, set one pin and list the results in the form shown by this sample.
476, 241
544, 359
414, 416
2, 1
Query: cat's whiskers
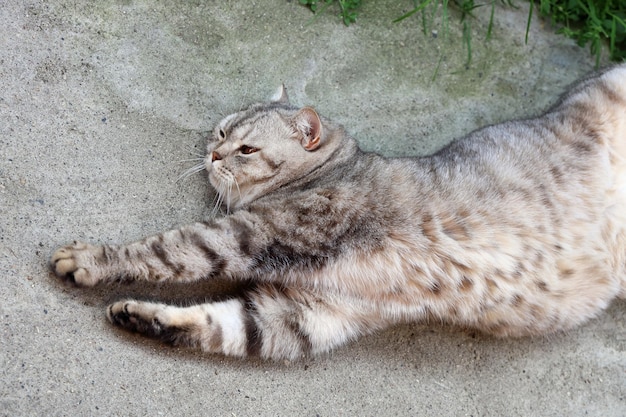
191, 159
228, 191
199, 157
224, 191
189, 172
238, 189
196, 153
217, 201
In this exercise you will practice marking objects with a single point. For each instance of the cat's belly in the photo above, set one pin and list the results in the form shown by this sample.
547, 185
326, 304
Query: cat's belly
534, 294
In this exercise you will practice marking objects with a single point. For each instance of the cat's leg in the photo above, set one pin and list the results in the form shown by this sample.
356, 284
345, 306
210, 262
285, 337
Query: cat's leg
87, 265
267, 322
187, 254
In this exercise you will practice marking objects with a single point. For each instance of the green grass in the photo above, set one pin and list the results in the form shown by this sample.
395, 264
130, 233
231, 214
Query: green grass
589, 22
348, 8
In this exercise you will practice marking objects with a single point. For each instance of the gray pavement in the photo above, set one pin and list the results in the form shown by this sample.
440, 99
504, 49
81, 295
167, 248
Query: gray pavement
102, 102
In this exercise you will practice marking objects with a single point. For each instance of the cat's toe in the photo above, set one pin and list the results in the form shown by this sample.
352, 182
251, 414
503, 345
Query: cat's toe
117, 313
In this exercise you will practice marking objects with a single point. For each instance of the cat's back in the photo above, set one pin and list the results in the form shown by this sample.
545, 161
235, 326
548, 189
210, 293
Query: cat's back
579, 144
534, 207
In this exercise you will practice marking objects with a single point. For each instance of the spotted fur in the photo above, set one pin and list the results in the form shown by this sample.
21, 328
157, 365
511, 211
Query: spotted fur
516, 229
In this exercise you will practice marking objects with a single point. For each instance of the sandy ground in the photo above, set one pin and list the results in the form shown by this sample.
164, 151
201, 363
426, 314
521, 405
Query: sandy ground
102, 103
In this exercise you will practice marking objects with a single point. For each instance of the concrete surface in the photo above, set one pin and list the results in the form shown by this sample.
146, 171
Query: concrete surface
101, 101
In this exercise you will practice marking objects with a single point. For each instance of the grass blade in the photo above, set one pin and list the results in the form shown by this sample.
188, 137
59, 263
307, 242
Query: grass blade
412, 12
530, 16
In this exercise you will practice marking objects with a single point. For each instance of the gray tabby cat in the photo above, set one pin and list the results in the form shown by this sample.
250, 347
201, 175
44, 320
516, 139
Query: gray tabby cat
516, 229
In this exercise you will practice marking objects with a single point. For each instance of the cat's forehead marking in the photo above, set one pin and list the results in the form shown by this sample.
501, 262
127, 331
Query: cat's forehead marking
242, 132
251, 123
249, 118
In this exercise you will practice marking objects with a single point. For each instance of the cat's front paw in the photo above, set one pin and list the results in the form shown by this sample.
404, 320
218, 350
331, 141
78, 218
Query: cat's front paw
76, 263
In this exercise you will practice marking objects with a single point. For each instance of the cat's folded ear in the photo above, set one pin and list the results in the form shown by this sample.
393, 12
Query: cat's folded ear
308, 128
281, 95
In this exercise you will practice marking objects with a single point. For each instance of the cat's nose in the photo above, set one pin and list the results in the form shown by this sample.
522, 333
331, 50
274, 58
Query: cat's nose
215, 156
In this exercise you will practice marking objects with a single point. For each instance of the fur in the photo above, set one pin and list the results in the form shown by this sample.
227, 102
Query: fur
517, 229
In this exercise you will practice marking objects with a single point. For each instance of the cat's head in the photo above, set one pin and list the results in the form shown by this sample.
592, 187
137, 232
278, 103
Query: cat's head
257, 150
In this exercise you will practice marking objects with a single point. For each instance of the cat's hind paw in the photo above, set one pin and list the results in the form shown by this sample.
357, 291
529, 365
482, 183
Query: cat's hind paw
74, 263
136, 316
167, 323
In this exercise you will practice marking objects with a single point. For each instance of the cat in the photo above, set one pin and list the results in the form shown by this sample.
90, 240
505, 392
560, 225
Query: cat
517, 229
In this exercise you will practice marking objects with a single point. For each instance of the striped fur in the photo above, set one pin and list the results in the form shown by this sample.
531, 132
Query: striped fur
516, 229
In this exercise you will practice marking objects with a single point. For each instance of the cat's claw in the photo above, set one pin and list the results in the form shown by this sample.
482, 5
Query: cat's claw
73, 262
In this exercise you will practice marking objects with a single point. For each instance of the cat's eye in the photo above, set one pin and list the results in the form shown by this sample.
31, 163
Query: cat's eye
247, 150
222, 134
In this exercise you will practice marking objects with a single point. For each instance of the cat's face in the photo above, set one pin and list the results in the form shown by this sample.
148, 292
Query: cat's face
257, 150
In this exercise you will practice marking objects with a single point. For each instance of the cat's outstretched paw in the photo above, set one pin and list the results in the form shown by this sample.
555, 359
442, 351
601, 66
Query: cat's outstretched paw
76, 263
